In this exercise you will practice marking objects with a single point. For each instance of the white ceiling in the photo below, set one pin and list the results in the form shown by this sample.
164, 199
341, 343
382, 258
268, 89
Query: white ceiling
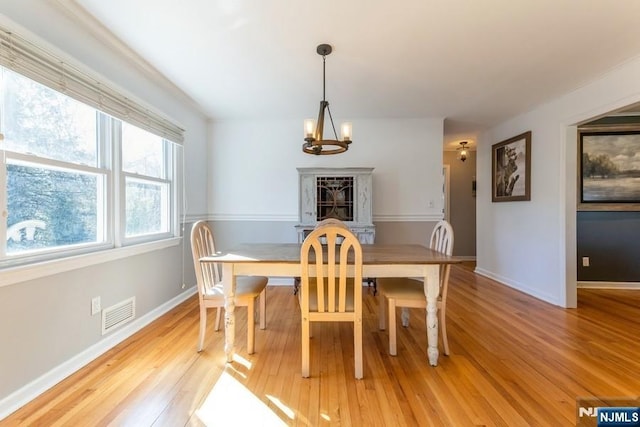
473, 62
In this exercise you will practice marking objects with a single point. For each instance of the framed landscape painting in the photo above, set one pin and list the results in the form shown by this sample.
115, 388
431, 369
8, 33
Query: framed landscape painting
511, 169
609, 170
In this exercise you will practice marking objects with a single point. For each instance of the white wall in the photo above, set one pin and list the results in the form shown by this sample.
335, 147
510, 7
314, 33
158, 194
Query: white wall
253, 165
46, 329
531, 245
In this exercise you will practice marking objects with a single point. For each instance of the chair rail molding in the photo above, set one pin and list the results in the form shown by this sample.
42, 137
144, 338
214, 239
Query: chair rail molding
252, 217
408, 217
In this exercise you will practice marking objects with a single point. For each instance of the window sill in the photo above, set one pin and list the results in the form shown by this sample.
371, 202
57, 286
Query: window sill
13, 275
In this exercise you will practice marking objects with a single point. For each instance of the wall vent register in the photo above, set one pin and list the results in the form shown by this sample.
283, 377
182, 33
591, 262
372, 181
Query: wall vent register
118, 315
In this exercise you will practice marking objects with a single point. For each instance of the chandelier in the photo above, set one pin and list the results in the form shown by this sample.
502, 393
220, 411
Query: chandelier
463, 150
313, 131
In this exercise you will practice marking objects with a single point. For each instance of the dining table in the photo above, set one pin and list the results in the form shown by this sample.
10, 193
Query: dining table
378, 260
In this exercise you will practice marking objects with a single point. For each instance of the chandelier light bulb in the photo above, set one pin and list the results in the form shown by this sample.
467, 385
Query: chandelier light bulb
309, 128
347, 131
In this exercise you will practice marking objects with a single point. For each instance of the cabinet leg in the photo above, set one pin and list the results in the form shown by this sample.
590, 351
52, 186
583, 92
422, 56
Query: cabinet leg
372, 281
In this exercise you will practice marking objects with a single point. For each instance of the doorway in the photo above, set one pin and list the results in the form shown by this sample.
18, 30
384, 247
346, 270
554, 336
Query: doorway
459, 202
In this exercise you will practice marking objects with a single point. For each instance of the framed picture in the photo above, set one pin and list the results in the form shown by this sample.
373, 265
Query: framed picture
511, 169
609, 169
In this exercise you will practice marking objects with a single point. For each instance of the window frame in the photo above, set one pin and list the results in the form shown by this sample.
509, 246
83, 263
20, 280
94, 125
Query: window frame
168, 179
51, 253
111, 215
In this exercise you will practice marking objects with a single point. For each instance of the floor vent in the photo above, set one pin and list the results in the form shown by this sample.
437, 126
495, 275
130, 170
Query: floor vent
119, 314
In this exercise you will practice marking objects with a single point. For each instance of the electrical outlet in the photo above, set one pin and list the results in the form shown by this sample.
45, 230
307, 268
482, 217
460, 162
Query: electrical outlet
585, 261
95, 306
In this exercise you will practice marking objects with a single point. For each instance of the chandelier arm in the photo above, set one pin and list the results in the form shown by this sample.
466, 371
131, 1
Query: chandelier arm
335, 134
319, 132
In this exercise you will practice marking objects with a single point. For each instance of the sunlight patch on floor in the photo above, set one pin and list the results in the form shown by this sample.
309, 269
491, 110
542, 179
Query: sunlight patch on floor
284, 408
241, 360
240, 366
231, 403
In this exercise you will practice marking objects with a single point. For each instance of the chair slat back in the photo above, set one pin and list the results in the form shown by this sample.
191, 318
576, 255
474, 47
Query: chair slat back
442, 241
442, 238
331, 221
329, 255
208, 274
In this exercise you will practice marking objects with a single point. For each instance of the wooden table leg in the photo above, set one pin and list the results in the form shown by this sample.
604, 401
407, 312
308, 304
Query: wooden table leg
229, 287
431, 291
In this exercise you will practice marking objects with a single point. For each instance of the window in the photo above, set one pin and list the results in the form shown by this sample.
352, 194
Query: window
75, 178
147, 185
52, 169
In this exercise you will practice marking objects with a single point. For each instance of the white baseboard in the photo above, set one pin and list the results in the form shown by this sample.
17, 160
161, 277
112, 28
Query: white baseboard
518, 286
24, 395
609, 285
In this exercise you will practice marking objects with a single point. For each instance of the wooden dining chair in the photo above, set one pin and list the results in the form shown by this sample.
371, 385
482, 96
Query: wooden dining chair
370, 280
409, 293
331, 262
210, 289
326, 221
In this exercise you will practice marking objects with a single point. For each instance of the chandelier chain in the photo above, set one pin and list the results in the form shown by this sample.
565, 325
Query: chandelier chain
324, 78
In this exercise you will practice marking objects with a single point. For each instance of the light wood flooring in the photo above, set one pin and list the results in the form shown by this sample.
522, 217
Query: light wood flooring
515, 361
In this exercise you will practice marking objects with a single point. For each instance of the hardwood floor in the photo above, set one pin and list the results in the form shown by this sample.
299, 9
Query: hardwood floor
515, 361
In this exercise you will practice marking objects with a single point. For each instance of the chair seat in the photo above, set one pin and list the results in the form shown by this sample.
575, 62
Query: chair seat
313, 295
245, 286
402, 288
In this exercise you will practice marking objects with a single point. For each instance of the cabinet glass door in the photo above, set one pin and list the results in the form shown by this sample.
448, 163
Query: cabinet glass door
335, 197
